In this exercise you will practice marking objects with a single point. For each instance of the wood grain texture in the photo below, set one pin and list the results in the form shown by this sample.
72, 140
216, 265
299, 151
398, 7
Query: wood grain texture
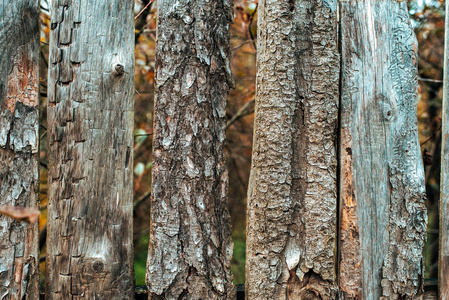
90, 126
383, 217
19, 137
292, 194
443, 261
190, 247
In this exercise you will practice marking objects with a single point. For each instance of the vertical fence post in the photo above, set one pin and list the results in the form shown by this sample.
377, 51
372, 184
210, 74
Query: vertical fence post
383, 217
19, 127
190, 236
443, 262
90, 124
292, 194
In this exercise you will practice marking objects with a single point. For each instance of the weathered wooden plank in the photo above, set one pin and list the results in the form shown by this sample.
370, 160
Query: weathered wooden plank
90, 124
443, 261
19, 127
190, 236
383, 217
292, 193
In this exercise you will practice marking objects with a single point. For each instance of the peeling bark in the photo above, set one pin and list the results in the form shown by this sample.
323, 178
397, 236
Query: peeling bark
90, 125
19, 126
292, 192
383, 217
443, 262
190, 236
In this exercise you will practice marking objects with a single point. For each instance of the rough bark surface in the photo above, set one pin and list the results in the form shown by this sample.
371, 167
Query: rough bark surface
292, 193
19, 126
383, 216
443, 263
90, 125
190, 247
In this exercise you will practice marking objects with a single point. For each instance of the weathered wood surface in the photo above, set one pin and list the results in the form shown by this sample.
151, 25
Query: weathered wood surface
292, 194
19, 117
443, 262
190, 247
383, 217
90, 125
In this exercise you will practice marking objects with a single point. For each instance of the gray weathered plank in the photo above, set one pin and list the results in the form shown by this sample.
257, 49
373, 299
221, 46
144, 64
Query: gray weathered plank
90, 125
443, 262
383, 217
292, 193
190, 236
19, 126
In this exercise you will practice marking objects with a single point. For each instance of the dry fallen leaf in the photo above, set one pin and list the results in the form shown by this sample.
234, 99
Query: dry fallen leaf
26, 214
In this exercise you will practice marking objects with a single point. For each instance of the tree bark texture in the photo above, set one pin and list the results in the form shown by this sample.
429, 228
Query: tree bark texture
190, 247
292, 197
383, 217
90, 120
19, 137
443, 262
190, 236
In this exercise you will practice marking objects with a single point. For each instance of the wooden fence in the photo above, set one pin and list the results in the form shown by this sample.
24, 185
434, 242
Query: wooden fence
336, 196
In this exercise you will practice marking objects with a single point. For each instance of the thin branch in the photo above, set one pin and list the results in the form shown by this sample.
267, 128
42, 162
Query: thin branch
249, 26
141, 200
144, 134
241, 45
146, 6
431, 136
430, 80
244, 111
43, 135
44, 59
426, 140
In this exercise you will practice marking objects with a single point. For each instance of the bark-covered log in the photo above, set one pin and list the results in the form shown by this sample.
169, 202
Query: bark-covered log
383, 217
19, 124
90, 124
443, 262
190, 236
292, 193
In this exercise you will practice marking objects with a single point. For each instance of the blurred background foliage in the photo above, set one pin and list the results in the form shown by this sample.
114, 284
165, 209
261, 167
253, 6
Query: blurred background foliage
428, 20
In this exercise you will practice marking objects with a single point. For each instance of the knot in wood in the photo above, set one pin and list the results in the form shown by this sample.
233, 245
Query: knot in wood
98, 266
386, 109
388, 114
118, 70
